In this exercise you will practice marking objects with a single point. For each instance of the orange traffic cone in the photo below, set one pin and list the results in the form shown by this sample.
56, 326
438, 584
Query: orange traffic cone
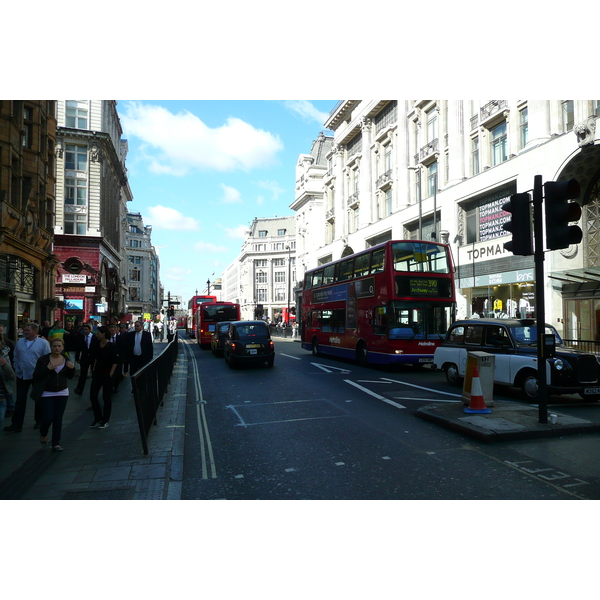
477, 403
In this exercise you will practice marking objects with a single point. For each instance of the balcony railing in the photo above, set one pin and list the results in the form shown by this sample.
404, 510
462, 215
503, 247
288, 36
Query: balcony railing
487, 110
383, 179
353, 199
427, 150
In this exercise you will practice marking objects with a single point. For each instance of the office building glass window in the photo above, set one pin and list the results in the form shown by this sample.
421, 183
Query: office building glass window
76, 117
568, 113
75, 224
75, 191
432, 124
523, 127
76, 157
432, 170
475, 155
498, 144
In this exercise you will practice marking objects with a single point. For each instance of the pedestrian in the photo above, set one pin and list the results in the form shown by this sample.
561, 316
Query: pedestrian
45, 329
160, 330
139, 350
7, 376
51, 390
70, 338
86, 346
103, 369
7, 349
118, 340
27, 351
57, 330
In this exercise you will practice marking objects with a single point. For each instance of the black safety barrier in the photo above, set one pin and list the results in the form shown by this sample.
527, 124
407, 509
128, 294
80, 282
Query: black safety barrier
591, 346
149, 386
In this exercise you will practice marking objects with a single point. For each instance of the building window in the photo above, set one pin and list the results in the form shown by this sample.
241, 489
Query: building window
76, 157
261, 277
279, 295
279, 276
262, 233
134, 275
475, 155
260, 263
281, 232
76, 117
432, 124
278, 246
523, 127
432, 170
568, 113
498, 144
262, 295
388, 202
75, 224
75, 191
28, 127
596, 108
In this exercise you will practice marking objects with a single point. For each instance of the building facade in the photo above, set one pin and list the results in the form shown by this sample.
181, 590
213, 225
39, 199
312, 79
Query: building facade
263, 276
442, 169
143, 297
92, 192
27, 206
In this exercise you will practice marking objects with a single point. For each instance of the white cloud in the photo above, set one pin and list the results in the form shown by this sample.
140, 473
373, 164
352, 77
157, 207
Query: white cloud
231, 195
178, 143
307, 111
163, 217
273, 187
208, 247
238, 232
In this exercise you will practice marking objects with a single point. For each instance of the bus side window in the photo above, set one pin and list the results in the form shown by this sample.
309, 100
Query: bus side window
317, 279
377, 261
328, 273
346, 270
361, 265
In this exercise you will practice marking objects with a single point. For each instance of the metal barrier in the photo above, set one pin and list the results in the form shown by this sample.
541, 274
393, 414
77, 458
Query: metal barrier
591, 346
284, 332
149, 386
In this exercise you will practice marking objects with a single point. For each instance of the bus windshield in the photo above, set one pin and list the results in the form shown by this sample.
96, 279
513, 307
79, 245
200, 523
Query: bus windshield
417, 320
420, 257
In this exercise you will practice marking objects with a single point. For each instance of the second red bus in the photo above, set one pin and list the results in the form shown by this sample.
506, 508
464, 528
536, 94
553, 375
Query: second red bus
390, 304
193, 304
208, 314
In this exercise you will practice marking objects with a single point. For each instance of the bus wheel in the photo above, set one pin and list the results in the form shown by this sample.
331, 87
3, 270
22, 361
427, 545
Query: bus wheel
361, 354
315, 348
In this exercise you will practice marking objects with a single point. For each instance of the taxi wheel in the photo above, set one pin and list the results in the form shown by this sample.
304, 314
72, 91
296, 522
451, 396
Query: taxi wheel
452, 376
528, 383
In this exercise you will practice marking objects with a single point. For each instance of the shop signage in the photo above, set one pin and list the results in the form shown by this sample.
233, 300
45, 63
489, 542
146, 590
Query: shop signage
522, 276
72, 278
482, 251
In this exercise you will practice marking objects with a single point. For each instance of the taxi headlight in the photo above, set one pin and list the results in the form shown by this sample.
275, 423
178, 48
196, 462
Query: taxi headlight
560, 364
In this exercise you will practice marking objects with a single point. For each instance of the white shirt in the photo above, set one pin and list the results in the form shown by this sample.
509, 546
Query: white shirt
137, 346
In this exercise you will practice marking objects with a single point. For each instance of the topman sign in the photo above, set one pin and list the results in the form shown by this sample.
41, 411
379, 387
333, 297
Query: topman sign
482, 251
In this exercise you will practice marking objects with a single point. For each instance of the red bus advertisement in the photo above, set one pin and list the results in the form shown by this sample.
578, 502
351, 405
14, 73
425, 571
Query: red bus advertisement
209, 314
390, 304
193, 304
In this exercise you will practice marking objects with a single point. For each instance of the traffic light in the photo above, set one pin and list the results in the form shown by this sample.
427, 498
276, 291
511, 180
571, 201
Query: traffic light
519, 225
172, 311
560, 212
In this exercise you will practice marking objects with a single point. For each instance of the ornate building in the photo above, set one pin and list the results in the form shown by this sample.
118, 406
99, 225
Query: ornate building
92, 192
442, 169
27, 183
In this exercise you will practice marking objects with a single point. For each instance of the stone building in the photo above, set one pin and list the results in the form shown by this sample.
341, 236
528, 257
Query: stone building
92, 192
263, 276
442, 169
27, 206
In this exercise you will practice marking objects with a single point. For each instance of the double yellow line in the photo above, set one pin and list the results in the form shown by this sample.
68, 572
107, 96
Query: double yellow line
206, 451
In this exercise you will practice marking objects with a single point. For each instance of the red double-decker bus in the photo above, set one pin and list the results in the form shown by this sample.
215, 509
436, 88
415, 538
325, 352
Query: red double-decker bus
208, 314
390, 304
193, 304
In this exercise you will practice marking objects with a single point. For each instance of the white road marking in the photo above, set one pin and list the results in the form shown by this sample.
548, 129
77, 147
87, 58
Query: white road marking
360, 387
330, 369
422, 388
290, 356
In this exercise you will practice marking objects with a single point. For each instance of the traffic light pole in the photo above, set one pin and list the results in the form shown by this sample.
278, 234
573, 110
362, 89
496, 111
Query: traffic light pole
540, 305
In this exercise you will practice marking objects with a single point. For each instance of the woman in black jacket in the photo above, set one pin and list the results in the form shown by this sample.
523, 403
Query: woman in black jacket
50, 386
103, 369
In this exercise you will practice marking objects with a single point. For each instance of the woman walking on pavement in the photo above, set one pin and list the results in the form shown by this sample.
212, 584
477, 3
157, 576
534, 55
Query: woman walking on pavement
50, 389
105, 363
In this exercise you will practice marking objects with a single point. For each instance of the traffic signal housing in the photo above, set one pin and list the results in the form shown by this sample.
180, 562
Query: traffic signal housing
519, 225
560, 212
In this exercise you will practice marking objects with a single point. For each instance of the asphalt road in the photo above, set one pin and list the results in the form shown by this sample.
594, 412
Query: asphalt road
319, 428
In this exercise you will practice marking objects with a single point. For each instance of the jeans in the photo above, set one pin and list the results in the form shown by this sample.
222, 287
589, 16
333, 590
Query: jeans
18, 417
101, 381
53, 409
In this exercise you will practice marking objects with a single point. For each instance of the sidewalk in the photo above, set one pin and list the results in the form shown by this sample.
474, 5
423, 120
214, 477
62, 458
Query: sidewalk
107, 464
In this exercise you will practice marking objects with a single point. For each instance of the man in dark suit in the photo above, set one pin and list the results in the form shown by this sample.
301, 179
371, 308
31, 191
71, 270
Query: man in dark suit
139, 349
86, 348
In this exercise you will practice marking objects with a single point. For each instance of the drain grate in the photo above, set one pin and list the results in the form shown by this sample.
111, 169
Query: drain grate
113, 494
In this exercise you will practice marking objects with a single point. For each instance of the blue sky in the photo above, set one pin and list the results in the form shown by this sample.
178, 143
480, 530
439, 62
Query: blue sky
201, 171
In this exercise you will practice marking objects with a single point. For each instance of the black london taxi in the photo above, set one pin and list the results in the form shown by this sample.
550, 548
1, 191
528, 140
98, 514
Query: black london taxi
249, 342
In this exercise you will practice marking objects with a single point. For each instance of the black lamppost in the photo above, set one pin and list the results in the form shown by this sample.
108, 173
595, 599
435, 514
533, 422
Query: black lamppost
208, 287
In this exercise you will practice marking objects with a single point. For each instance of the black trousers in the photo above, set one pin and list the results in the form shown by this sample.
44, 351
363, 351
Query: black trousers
84, 365
101, 381
18, 417
53, 409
